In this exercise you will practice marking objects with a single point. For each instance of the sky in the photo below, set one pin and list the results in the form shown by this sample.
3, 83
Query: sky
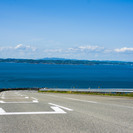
72, 29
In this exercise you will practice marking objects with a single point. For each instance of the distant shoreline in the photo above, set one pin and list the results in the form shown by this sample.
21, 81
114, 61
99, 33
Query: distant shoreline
65, 62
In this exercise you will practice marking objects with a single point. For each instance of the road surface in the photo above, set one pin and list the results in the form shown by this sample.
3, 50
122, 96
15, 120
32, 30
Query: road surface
33, 112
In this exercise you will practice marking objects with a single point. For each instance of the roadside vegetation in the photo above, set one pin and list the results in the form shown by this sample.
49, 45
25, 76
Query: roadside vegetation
90, 93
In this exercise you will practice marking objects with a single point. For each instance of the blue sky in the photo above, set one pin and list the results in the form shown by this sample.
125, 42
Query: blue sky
79, 29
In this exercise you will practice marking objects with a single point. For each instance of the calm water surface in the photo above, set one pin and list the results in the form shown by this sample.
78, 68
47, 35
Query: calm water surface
16, 75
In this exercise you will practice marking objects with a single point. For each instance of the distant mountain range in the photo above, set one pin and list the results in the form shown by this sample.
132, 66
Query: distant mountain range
55, 59
65, 61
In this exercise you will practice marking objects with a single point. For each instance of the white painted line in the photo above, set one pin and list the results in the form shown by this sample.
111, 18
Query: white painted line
35, 101
122, 106
20, 102
80, 100
57, 110
2, 102
73, 99
34, 98
61, 107
116, 105
13, 98
2, 111
3, 95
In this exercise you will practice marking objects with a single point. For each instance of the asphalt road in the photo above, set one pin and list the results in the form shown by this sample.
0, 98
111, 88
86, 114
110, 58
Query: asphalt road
33, 112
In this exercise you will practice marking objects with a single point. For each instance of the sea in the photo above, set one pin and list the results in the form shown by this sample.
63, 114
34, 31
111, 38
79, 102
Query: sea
24, 75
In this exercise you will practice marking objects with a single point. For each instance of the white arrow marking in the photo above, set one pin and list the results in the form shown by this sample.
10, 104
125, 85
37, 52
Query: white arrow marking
2, 111
61, 107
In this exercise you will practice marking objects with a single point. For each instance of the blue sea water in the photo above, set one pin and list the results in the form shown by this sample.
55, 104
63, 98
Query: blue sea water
21, 75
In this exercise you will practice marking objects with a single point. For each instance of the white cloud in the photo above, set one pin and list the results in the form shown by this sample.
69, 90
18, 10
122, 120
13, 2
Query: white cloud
124, 49
19, 51
19, 47
5, 48
1, 48
87, 48
91, 48
24, 47
53, 50
79, 52
80, 49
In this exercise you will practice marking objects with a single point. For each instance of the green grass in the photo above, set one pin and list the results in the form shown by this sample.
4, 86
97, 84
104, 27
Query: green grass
90, 93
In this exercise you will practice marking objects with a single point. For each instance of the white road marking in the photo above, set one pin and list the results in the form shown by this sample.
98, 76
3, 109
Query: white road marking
0, 94
3, 95
13, 98
56, 109
73, 99
34, 98
61, 107
2, 111
20, 102
80, 100
35, 101
18, 96
116, 105
2, 102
